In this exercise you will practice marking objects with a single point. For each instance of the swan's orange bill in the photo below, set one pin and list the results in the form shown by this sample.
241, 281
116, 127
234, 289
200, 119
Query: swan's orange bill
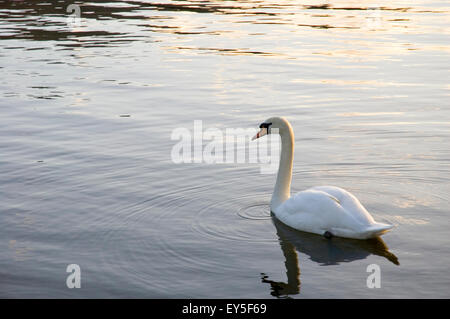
260, 133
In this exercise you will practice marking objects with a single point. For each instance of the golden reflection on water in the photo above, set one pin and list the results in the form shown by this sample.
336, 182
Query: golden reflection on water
352, 29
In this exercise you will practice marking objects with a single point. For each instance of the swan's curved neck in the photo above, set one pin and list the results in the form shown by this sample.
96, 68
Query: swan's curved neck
282, 189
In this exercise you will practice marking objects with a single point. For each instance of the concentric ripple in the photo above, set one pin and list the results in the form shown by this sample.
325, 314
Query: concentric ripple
166, 227
245, 218
257, 211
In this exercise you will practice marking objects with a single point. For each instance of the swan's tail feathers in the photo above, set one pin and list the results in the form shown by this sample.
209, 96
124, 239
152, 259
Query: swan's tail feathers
376, 229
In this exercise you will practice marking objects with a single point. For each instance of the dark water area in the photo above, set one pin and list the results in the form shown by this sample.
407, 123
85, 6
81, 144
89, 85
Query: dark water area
88, 107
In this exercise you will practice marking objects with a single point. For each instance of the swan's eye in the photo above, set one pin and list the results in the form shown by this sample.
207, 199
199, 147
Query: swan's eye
265, 125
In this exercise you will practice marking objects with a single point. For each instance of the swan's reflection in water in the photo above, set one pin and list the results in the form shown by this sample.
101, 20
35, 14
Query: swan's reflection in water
321, 250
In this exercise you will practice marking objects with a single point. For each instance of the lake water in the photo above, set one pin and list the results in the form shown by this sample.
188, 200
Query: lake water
88, 108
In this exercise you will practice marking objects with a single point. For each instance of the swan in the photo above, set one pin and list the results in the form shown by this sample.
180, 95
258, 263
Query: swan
323, 210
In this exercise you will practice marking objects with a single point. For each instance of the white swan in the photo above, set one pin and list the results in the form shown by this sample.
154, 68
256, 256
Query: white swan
324, 210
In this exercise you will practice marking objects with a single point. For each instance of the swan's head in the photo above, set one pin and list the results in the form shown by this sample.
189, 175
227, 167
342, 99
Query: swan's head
274, 125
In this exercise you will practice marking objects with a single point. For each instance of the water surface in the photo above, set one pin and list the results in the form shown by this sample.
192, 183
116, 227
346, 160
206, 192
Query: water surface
87, 177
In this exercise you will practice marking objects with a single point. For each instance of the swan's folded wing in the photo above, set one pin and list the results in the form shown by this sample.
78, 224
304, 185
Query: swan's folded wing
317, 211
349, 202
314, 211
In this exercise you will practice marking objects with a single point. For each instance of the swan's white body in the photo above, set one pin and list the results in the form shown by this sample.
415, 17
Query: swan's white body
321, 210
329, 209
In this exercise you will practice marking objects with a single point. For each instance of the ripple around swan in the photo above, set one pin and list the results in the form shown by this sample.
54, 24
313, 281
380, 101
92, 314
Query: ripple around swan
257, 211
140, 233
164, 228
245, 218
